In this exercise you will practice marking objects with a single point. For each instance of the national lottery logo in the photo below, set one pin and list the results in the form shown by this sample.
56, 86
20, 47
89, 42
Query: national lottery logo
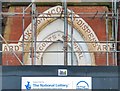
28, 86
82, 85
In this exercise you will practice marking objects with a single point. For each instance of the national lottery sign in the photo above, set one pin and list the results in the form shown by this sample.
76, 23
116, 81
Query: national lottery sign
56, 83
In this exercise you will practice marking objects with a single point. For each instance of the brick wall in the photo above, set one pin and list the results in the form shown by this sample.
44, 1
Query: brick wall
13, 29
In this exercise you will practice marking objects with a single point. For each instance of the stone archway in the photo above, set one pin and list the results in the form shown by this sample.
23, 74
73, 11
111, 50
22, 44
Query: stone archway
79, 24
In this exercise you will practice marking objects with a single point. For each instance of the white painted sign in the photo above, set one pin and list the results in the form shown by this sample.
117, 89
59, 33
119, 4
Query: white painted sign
15, 47
56, 83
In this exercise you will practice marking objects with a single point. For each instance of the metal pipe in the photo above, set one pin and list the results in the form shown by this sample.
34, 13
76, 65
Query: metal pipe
85, 13
112, 20
112, 37
23, 27
116, 29
116, 37
73, 51
0, 32
65, 33
89, 17
117, 34
72, 38
31, 48
28, 7
107, 55
33, 34
62, 41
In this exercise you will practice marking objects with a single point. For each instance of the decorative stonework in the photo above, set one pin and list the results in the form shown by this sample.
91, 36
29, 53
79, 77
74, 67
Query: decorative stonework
79, 24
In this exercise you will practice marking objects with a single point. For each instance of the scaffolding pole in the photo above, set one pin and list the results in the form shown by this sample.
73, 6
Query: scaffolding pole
85, 14
72, 38
33, 44
0, 32
107, 55
23, 27
117, 38
112, 19
65, 33
112, 37
116, 29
